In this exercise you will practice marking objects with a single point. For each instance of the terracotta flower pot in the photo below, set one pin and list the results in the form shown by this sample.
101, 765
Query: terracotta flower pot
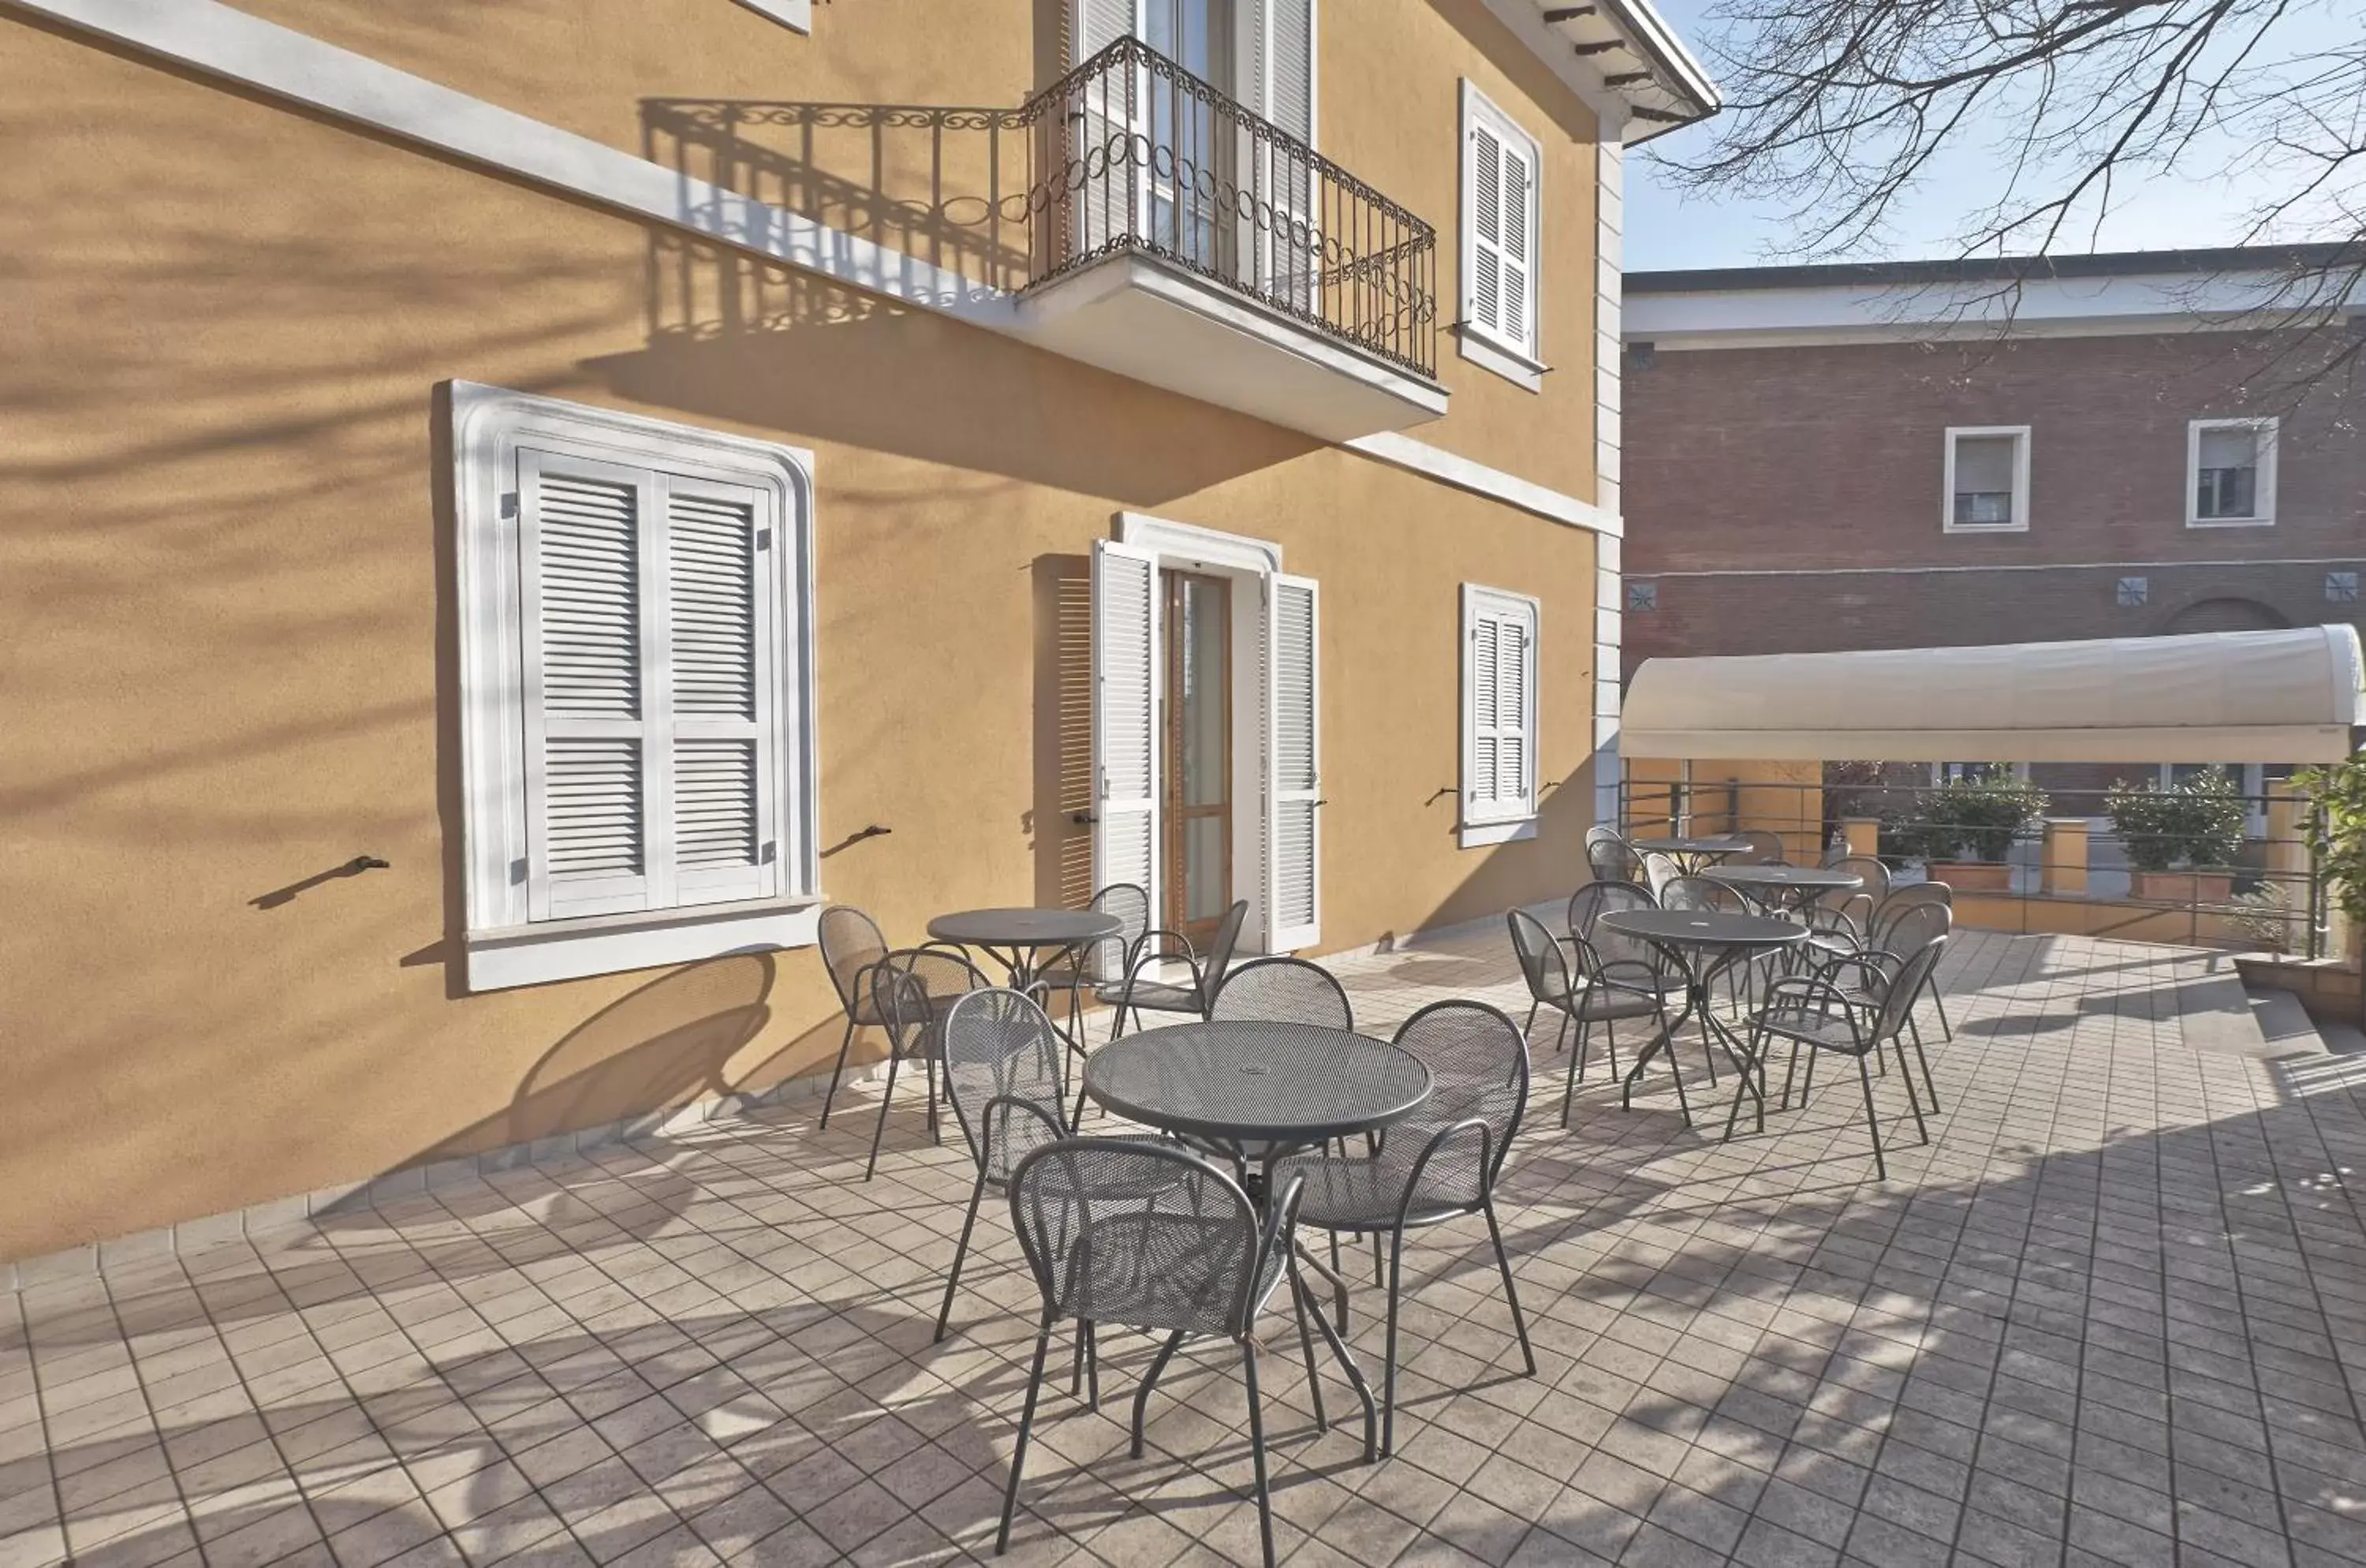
2183, 886
1972, 875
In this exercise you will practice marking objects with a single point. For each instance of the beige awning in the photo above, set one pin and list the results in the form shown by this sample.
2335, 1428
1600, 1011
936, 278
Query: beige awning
2274, 696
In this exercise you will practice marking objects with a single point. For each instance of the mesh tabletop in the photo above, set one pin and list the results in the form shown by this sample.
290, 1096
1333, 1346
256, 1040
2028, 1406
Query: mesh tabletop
1254, 1081
1698, 928
1690, 846
1024, 928
1804, 877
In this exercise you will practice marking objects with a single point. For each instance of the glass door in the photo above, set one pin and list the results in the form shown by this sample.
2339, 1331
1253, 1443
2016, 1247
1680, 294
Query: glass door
1191, 156
1198, 737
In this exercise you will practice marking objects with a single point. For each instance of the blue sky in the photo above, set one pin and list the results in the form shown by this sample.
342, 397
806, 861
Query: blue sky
1666, 230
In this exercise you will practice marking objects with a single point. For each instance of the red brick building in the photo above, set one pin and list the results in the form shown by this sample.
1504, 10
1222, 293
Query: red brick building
1924, 455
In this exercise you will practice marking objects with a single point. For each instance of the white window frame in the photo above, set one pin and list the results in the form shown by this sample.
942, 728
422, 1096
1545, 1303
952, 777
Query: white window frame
1479, 831
2019, 524
504, 946
2263, 489
1519, 363
796, 15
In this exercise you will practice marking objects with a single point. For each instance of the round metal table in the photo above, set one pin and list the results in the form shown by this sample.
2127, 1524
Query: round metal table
1701, 943
1258, 1090
1692, 854
1792, 887
1025, 942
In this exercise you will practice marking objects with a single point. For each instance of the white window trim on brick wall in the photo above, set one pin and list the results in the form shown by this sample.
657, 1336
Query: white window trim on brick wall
2019, 524
1519, 363
1501, 824
504, 945
2264, 430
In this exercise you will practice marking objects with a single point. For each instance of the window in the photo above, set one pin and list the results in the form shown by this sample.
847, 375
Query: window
1499, 716
2231, 472
636, 699
1500, 211
1987, 478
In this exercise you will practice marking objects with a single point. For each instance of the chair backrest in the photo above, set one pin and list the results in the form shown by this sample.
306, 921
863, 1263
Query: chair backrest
1897, 1001
1608, 854
1284, 991
850, 942
1596, 900
1218, 960
1701, 893
1478, 1064
1130, 902
1542, 963
1659, 870
1147, 1236
1875, 875
1905, 929
1920, 893
1001, 1049
911, 988
1766, 848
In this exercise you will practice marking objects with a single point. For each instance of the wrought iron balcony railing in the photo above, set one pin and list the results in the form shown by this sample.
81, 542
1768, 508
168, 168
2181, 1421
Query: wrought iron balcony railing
1134, 153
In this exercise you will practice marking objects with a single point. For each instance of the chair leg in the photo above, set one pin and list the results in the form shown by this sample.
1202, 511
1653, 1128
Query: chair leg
1927, 1084
1085, 1374
1389, 1370
1355, 1373
886, 1098
1913, 1094
1511, 1295
1872, 1120
1788, 1070
936, 1134
845, 1044
1576, 1063
1150, 1381
1946, 1030
1306, 1345
1257, 1446
1026, 1422
1529, 1028
961, 1250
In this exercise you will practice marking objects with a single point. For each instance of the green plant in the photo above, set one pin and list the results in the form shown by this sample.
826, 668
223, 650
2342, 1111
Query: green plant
2198, 821
2337, 829
1983, 815
2263, 918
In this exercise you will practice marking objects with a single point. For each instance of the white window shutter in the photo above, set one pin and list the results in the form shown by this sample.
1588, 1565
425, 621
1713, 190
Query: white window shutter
1294, 765
584, 543
724, 746
1519, 268
1126, 669
1096, 24
1499, 706
1486, 309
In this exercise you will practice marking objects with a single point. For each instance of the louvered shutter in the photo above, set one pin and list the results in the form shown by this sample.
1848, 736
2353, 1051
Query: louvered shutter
720, 624
1125, 716
1500, 252
1096, 24
1294, 764
584, 537
1279, 83
1500, 704
1106, 112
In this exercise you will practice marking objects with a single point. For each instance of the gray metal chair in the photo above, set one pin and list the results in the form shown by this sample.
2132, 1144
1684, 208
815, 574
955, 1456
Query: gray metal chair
911, 991
1821, 1016
1596, 900
1159, 946
1284, 991
1145, 1235
1573, 995
1106, 962
1737, 969
1766, 848
1659, 870
1840, 922
1006, 1078
1607, 851
1440, 1164
1902, 900
852, 946
1609, 991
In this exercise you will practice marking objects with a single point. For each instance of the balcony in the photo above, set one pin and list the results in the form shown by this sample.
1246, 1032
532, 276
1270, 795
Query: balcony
1130, 216
1176, 238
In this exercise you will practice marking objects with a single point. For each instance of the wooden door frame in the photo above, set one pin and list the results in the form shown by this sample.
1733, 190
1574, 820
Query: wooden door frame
1173, 813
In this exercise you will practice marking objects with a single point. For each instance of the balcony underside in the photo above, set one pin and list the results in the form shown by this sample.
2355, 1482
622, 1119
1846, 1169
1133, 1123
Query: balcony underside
1152, 322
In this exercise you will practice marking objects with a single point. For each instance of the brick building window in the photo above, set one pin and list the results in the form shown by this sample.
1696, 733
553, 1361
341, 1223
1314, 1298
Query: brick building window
1987, 478
2230, 466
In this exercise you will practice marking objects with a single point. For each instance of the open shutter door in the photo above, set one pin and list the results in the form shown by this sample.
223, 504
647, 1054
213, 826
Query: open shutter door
1278, 82
1125, 717
583, 529
723, 697
1486, 257
1518, 231
1098, 118
1294, 761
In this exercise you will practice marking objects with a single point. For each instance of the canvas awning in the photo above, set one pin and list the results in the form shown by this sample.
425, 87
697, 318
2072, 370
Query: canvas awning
2271, 697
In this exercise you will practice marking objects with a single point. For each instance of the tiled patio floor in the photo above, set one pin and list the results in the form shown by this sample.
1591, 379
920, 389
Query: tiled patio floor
2112, 1314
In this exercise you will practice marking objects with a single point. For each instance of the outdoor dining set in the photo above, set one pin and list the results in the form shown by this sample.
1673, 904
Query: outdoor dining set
1263, 1113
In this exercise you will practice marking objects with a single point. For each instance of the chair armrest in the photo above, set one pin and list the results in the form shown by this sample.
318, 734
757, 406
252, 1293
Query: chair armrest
1876, 978
1802, 993
1437, 1142
1007, 1102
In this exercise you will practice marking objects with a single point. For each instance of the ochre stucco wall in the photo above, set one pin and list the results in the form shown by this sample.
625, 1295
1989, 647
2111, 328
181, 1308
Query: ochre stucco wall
230, 663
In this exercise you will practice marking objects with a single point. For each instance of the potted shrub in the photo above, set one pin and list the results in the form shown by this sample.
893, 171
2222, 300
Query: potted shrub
1964, 828
2181, 842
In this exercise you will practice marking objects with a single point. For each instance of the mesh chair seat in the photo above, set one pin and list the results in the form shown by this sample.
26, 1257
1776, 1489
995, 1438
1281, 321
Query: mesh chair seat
1596, 1003
1832, 1029
1187, 1276
1367, 1194
1154, 995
